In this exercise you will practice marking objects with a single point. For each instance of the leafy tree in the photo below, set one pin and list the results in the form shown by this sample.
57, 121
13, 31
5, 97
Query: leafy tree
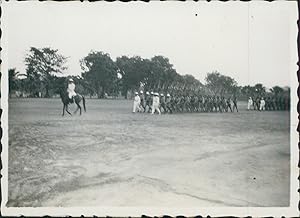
190, 83
41, 65
100, 72
260, 89
132, 72
287, 91
160, 73
248, 90
277, 90
220, 84
82, 86
13, 81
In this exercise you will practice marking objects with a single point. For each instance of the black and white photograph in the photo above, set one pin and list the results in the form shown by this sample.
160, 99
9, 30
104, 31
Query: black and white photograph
158, 108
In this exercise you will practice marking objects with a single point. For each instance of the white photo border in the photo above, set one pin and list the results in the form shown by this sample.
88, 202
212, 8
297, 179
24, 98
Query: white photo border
290, 211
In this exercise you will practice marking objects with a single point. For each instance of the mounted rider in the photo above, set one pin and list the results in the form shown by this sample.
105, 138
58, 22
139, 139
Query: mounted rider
71, 90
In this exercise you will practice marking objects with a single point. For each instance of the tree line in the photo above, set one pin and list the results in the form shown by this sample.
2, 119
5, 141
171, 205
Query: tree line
102, 76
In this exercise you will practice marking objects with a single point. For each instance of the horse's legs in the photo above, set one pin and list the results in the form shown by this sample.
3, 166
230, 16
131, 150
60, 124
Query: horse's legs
78, 107
68, 110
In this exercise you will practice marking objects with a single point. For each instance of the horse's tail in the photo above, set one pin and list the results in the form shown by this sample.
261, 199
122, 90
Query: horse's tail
83, 102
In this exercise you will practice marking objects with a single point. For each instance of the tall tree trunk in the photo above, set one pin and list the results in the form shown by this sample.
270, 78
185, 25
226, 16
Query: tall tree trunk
98, 92
103, 92
47, 92
125, 93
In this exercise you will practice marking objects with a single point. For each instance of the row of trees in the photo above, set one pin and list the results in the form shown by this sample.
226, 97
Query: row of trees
45, 67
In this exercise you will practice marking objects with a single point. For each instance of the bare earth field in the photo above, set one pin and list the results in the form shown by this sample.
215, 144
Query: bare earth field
111, 157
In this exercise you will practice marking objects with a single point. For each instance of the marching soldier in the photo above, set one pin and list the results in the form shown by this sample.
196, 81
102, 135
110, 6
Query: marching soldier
173, 103
196, 103
142, 97
151, 101
277, 103
148, 102
282, 102
223, 104
234, 104
262, 104
214, 104
201, 104
218, 102
206, 104
162, 102
257, 103
273, 103
250, 103
136, 103
228, 102
268, 103
168, 103
155, 104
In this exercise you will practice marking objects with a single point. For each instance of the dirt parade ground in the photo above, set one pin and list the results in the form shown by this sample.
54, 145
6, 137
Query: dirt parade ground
112, 157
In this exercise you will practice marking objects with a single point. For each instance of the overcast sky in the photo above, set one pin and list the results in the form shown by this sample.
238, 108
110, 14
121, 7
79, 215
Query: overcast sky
251, 42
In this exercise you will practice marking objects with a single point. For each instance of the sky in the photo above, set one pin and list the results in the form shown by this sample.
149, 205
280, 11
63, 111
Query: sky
253, 42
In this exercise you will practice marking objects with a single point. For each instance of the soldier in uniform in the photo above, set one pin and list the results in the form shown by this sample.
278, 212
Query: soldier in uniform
162, 103
151, 101
214, 104
181, 104
228, 102
196, 103
268, 105
257, 103
281, 103
210, 104
187, 103
273, 103
136, 103
277, 103
148, 101
250, 103
200, 104
262, 104
155, 104
206, 104
192, 104
223, 104
173, 103
234, 100
219, 104
142, 105
168, 103
288, 103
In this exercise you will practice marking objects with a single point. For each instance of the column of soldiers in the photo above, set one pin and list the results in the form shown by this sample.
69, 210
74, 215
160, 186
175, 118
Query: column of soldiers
180, 102
269, 103
152, 102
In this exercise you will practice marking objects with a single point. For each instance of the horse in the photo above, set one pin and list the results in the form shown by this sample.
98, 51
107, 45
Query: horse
66, 101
